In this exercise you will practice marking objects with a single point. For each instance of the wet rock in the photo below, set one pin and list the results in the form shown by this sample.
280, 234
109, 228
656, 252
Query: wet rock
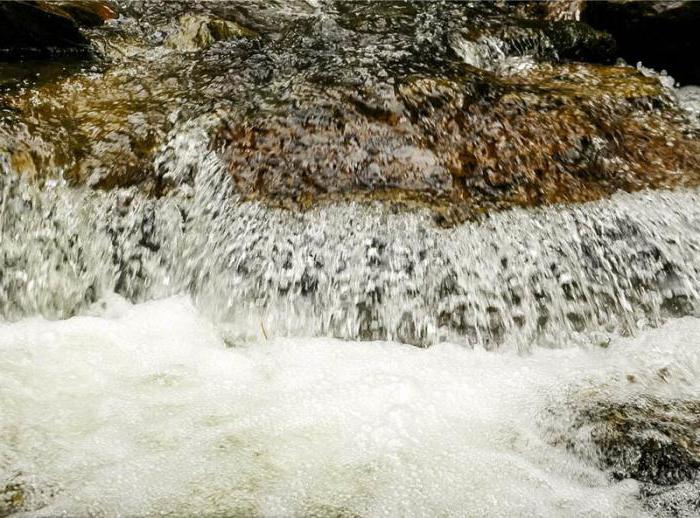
102, 131
545, 40
197, 32
12, 498
689, 100
654, 441
649, 440
20, 493
470, 141
361, 101
662, 35
563, 9
678, 501
85, 13
318, 152
575, 41
34, 28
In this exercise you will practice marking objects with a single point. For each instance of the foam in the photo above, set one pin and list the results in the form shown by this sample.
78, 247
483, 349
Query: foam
140, 409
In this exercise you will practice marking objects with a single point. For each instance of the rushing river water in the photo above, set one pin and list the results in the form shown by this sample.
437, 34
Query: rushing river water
512, 280
142, 408
221, 396
173, 343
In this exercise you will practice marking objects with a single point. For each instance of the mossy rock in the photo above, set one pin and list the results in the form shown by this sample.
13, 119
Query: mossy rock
652, 440
647, 439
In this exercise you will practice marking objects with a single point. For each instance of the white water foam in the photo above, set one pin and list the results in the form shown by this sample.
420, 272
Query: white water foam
143, 409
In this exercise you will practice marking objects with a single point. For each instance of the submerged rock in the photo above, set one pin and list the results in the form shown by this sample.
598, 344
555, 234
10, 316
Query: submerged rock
197, 32
12, 498
20, 493
647, 439
654, 441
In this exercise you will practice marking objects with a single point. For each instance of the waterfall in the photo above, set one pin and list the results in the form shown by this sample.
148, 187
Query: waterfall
517, 278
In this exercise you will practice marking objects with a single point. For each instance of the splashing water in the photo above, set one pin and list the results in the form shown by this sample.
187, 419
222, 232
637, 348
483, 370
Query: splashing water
516, 278
197, 354
141, 409
135, 406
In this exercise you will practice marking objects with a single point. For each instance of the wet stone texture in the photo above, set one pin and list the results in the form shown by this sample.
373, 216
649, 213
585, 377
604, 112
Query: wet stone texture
651, 440
461, 107
49, 29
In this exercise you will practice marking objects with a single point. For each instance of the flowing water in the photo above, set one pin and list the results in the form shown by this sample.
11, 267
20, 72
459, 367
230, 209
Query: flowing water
142, 408
511, 280
213, 390
201, 354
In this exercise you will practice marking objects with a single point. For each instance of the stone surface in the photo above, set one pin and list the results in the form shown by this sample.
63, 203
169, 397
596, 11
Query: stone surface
461, 107
642, 437
85, 13
197, 32
32, 29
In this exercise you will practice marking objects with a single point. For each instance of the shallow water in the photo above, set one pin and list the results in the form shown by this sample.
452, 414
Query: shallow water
143, 409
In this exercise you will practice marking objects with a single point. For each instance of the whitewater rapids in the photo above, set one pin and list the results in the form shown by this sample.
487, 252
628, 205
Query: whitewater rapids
143, 409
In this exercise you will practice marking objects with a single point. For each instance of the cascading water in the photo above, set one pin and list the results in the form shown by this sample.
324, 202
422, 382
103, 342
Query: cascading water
197, 352
181, 423
517, 278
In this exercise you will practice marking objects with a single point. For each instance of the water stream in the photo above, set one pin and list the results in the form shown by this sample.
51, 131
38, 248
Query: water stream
512, 279
195, 352
183, 363
142, 409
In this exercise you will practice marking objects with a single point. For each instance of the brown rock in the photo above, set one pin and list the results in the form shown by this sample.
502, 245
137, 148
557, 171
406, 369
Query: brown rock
197, 32
86, 13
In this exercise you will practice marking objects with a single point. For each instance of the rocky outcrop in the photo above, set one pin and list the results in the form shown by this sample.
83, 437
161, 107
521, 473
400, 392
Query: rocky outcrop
85, 13
647, 439
197, 32
662, 35
30, 29
460, 107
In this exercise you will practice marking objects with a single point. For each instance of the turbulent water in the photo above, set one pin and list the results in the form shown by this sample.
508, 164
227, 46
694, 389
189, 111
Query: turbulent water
142, 409
513, 279
222, 396
193, 353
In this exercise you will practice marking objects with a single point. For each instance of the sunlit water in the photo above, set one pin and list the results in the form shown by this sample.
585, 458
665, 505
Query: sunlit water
513, 279
182, 355
143, 409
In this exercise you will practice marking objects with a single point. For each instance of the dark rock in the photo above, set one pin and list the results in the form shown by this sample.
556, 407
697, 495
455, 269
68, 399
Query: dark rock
654, 441
33, 28
85, 13
649, 440
576, 41
663, 35
563, 9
